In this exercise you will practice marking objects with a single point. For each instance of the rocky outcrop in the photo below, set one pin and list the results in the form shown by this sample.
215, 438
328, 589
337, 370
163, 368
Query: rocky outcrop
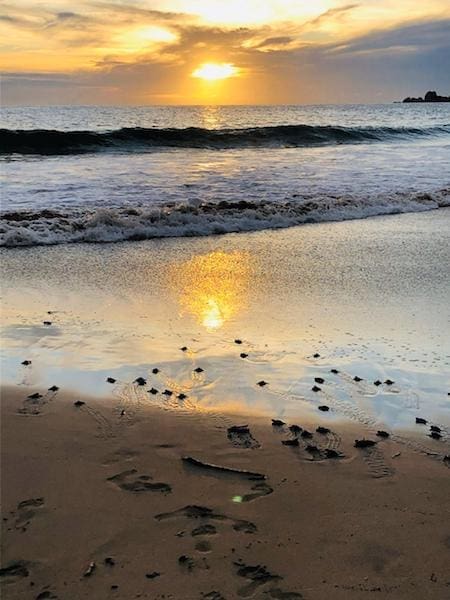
429, 97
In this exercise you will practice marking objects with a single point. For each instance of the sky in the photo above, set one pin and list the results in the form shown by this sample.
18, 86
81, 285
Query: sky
141, 52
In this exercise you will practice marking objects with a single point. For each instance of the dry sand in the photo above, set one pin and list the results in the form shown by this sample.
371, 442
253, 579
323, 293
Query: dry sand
97, 503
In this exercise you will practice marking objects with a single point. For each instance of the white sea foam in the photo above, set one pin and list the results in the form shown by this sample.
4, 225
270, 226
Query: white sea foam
200, 219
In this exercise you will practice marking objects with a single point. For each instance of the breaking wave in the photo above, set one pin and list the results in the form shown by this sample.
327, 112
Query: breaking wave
101, 225
53, 142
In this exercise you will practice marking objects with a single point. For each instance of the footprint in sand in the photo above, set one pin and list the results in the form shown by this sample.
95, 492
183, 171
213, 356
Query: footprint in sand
258, 576
130, 482
33, 404
15, 570
205, 514
26, 510
376, 463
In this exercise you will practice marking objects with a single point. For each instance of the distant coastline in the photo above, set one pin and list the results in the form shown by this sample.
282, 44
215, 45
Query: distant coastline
429, 97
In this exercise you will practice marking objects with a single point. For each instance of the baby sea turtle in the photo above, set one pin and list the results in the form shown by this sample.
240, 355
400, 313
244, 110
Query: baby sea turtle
315, 388
435, 435
109, 561
262, 383
389, 382
26, 362
79, 403
243, 355
377, 382
364, 443
35, 396
181, 396
319, 380
47, 323
155, 371
153, 391
334, 371
295, 429
382, 434
140, 381
435, 428
316, 355
421, 421
356, 378
238, 341
312, 449
277, 423
330, 453
322, 430
306, 434
54, 388
167, 392
110, 380
293, 442
324, 408
183, 349
199, 370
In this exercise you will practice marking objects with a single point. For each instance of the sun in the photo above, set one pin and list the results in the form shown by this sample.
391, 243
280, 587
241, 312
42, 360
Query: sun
215, 71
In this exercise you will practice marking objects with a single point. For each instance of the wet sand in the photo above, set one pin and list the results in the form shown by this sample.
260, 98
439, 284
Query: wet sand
97, 488
340, 326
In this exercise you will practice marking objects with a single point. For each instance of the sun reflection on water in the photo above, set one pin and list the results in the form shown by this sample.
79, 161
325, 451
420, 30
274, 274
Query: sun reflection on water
213, 287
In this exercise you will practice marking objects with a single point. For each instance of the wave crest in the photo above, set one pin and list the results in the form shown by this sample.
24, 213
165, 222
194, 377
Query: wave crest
53, 142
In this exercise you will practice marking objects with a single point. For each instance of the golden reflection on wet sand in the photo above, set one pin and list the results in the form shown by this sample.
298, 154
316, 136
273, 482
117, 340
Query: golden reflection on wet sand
213, 287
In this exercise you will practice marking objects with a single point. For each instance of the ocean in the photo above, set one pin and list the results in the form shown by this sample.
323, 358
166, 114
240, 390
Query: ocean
109, 174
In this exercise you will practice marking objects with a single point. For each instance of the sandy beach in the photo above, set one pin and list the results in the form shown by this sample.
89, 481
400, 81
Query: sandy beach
171, 480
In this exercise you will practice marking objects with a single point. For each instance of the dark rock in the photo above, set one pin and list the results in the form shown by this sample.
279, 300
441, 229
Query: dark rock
421, 421
315, 388
435, 435
111, 380
293, 442
26, 362
199, 370
54, 388
322, 430
324, 408
431, 96
319, 380
306, 434
140, 381
277, 423
364, 443
79, 403
382, 434
153, 391
262, 383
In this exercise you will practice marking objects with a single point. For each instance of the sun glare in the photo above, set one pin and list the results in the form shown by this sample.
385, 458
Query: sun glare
214, 71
